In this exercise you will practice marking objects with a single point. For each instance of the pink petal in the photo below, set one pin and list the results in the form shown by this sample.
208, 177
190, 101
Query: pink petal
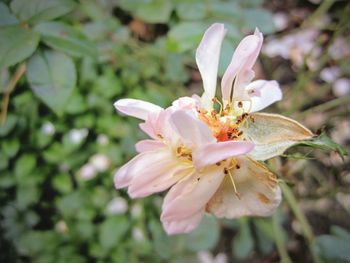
148, 145
158, 178
218, 151
136, 108
207, 58
242, 62
263, 93
189, 196
124, 176
184, 225
190, 129
185, 103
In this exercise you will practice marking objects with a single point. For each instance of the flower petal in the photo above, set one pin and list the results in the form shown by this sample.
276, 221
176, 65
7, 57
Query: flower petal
136, 108
263, 93
240, 67
190, 195
259, 192
192, 131
148, 145
215, 152
207, 58
125, 174
272, 134
184, 225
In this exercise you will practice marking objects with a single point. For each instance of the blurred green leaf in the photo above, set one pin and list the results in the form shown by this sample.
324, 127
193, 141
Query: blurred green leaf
151, 11
24, 165
34, 11
10, 147
333, 248
185, 36
323, 142
62, 183
66, 38
16, 44
112, 231
6, 18
52, 77
191, 10
9, 125
243, 243
3, 162
201, 238
261, 18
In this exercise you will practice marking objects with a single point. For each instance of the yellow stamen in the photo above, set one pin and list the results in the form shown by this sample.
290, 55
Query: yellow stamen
228, 172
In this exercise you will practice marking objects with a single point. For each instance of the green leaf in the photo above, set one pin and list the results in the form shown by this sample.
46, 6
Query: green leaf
323, 142
243, 243
6, 18
261, 18
185, 36
10, 147
151, 11
191, 11
112, 231
25, 165
34, 11
66, 38
16, 44
62, 183
52, 77
9, 125
333, 248
205, 236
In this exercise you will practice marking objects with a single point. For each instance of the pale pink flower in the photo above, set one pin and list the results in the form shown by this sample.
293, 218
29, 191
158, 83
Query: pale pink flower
203, 149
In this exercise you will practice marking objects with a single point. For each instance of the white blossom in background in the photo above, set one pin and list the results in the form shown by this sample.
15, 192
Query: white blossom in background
330, 74
207, 257
136, 210
100, 161
341, 87
61, 227
87, 172
118, 205
340, 49
48, 128
280, 20
76, 136
102, 139
296, 47
137, 234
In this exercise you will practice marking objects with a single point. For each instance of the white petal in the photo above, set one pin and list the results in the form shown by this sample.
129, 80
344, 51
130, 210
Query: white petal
207, 58
136, 108
242, 62
148, 145
259, 192
185, 225
268, 93
192, 131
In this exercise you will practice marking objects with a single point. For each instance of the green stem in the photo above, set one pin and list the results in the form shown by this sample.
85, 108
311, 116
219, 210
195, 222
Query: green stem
307, 231
322, 9
326, 106
280, 242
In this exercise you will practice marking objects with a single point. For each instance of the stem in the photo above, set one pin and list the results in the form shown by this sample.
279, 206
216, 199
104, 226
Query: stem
326, 106
293, 203
280, 242
9, 89
322, 9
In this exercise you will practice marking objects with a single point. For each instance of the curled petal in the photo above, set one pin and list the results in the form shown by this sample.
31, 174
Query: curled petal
189, 196
136, 166
184, 225
259, 193
207, 58
192, 131
137, 108
272, 134
218, 151
148, 145
240, 67
263, 93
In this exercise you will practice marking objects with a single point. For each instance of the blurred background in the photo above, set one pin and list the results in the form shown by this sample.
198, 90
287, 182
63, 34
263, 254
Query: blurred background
63, 64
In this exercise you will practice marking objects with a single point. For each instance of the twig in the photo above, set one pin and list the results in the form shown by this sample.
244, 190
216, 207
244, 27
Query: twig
280, 243
9, 89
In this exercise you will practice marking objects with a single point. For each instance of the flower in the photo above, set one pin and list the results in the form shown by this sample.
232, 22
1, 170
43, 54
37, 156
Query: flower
207, 151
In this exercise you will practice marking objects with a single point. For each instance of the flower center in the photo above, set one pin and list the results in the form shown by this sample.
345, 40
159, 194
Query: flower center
224, 123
